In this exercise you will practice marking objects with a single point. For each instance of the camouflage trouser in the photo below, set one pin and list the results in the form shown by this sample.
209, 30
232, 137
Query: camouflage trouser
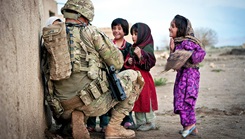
132, 83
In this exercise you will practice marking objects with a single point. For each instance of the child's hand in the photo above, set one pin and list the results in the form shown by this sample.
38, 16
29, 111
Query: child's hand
130, 61
171, 45
137, 51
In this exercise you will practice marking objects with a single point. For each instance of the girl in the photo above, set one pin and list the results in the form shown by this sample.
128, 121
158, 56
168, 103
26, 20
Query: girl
187, 79
141, 57
120, 29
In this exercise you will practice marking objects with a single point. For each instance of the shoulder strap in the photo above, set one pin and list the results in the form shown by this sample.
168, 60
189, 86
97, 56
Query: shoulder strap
87, 42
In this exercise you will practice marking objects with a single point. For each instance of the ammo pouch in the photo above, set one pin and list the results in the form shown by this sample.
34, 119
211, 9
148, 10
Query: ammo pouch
55, 41
93, 69
93, 91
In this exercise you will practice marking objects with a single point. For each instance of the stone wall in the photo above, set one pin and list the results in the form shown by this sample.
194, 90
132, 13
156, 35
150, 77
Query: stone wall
21, 102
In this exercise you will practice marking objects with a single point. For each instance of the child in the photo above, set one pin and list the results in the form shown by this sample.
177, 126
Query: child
141, 57
91, 123
187, 79
120, 29
53, 20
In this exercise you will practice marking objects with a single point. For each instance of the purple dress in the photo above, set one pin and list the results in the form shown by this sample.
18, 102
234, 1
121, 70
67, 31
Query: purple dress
187, 84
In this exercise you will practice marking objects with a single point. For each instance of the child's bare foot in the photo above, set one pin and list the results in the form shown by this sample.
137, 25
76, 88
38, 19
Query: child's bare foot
189, 127
195, 131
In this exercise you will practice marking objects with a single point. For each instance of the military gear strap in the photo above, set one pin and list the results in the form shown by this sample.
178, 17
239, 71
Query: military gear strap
86, 52
89, 47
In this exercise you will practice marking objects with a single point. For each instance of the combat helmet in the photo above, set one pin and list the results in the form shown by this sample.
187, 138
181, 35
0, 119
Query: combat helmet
82, 7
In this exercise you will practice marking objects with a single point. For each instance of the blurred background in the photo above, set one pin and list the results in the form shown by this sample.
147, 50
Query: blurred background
216, 23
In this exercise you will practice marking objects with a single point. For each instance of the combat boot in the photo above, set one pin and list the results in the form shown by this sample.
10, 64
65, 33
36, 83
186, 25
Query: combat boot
79, 130
114, 130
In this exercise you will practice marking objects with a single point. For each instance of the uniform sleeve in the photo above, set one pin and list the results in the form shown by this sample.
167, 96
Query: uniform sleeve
198, 52
106, 48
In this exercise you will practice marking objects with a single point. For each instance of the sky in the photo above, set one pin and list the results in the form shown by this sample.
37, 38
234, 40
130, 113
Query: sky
225, 17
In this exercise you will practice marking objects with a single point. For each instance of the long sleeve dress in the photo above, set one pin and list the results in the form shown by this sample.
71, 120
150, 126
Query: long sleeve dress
148, 98
186, 85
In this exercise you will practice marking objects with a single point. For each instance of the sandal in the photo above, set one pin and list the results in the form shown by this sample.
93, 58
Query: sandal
192, 133
185, 133
146, 127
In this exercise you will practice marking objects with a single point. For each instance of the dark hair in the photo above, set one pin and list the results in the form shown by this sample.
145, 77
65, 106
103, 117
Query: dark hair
123, 23
58, 20
181, 24
134, 28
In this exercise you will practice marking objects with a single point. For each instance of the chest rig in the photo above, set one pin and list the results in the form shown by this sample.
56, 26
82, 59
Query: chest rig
84, 57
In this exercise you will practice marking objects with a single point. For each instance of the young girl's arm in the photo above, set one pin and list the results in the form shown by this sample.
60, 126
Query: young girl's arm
198, 52
198, 55
146, 60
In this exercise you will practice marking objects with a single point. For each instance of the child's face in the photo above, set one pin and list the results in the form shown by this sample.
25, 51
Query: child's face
134, 36
173, 30
117, 32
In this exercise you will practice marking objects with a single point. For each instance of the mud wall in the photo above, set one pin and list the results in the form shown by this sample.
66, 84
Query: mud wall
21, 101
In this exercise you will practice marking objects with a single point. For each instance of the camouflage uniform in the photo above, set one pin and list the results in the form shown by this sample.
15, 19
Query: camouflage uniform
86, 92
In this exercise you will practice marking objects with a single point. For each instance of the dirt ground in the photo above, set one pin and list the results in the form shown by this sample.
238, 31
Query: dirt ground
220, 106
221, 103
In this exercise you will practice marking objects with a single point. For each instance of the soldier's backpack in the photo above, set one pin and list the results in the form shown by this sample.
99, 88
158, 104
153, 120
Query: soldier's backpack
55, 41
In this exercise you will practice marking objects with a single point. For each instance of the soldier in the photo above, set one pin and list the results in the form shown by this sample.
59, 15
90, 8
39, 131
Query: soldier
83, 90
